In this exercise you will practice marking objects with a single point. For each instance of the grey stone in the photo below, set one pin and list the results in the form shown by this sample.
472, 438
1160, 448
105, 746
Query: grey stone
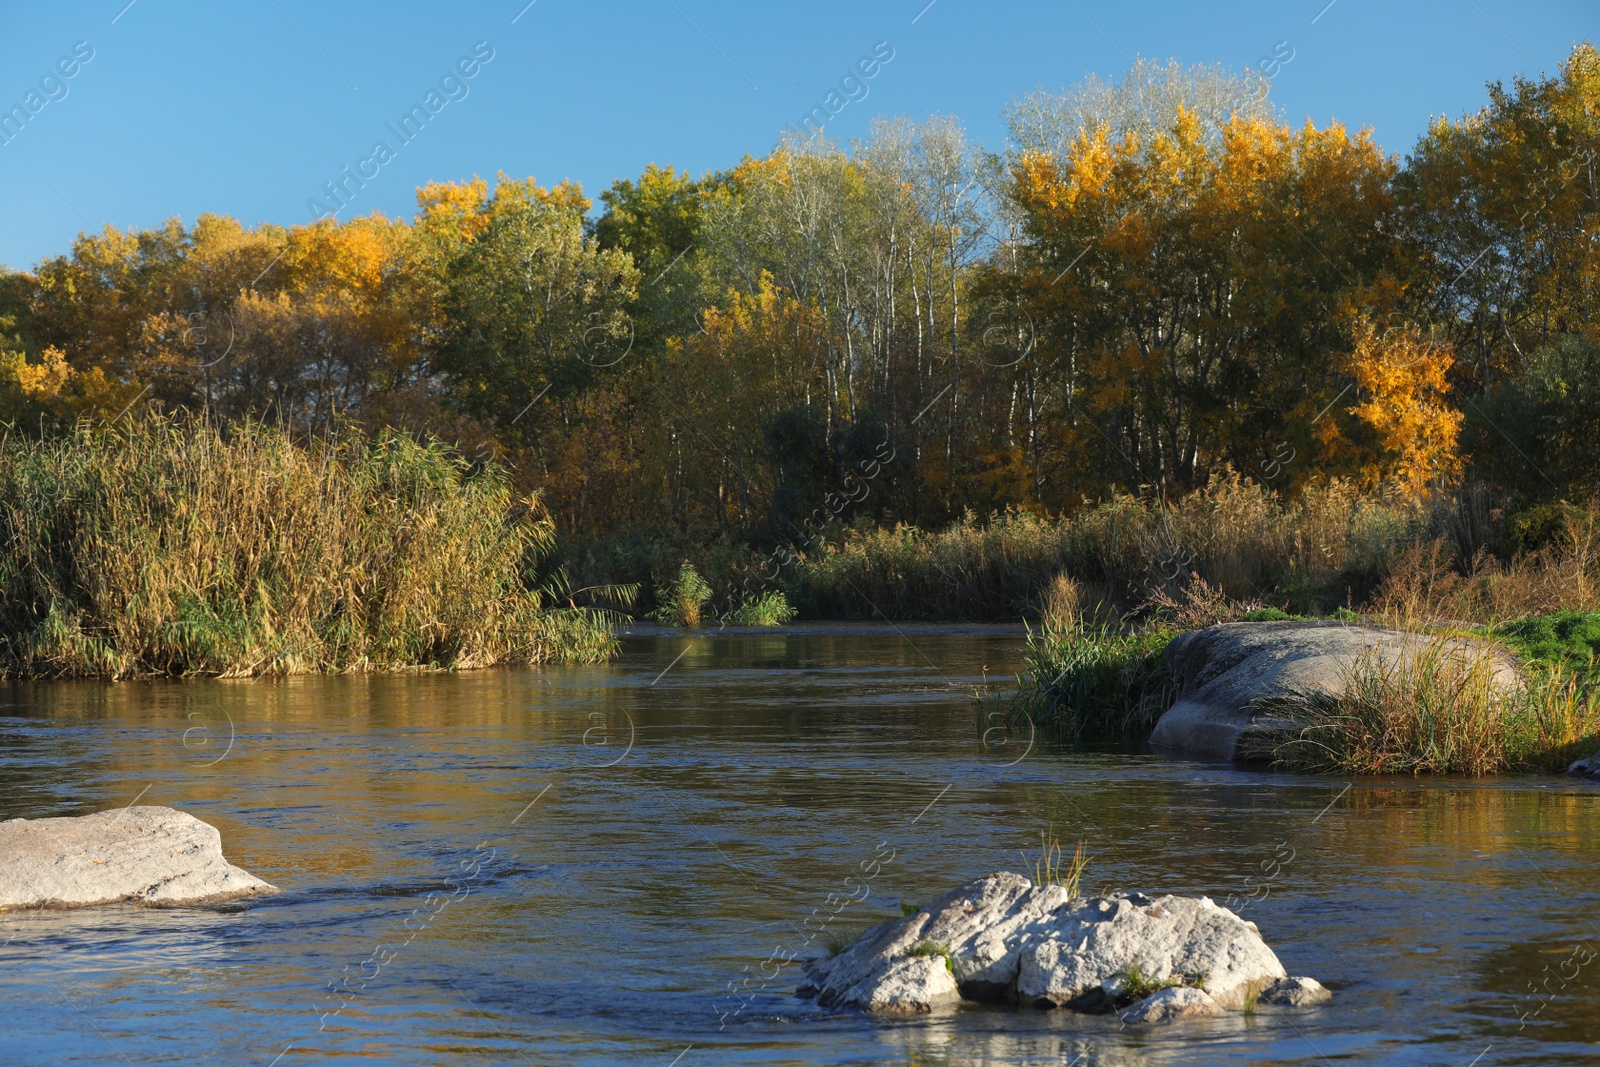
1187, 937
1588, 767
1008, 940
145, 855
1296, 993
1178, 1002
1227, 673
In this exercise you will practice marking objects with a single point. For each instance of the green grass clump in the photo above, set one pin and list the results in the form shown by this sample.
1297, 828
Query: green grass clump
1570, 638
681, 598
168, 548
1093, 680
1271, 615
837, 943
1048, 869
769, 609
933, 948
1138, 985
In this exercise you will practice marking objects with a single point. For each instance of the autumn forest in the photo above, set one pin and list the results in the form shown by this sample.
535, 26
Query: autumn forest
1157, 282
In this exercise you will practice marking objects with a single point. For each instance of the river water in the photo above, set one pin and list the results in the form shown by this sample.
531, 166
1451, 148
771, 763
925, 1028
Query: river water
607, 865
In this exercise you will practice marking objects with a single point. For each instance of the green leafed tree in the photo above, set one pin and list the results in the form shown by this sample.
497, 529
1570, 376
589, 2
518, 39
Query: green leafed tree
534, 308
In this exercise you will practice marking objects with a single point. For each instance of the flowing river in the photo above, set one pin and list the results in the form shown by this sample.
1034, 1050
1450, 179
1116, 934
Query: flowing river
610, 865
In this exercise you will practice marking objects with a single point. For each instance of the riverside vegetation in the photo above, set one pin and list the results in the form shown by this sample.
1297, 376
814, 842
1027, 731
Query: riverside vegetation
1097, 673
171, 547
1167, 358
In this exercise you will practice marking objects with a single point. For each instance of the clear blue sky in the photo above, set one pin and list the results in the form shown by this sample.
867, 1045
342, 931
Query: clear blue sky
248, 107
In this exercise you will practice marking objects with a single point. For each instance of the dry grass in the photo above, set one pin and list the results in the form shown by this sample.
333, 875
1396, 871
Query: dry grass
1436, 711
1061, 604
167, 548
1124, 553
1430, 580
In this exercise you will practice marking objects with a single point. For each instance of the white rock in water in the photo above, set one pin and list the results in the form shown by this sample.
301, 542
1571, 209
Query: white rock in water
1006, 939
1163, 937
146, 855
1296, 993
1179, 1002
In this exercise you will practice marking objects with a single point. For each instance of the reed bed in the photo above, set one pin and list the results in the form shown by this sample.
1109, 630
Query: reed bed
1314, 553
168, 547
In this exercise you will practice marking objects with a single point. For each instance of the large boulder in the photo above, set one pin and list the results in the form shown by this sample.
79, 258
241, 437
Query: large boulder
1002, 938
144, 855
1234, 680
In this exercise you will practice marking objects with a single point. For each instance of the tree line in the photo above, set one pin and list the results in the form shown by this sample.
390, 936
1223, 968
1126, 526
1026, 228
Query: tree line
1156, 281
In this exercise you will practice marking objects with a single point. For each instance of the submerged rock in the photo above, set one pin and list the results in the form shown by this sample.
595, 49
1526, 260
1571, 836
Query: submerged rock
1296, 993
1002, 938
145, 855
1225, 673
1177, 1002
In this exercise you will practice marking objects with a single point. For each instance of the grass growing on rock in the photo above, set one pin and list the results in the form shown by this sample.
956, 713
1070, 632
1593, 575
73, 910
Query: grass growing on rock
167, 547
1435, 712
1137, 985
1049, 868
933, 948
837, 943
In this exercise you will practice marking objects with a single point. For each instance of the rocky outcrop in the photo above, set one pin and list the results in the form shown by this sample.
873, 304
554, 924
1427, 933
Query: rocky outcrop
144, 855
1234, 680
1002, 938
1588, 767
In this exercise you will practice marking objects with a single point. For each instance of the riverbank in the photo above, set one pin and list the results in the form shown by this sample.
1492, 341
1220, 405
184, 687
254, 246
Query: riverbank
173, 548
1462, 555
1413, 696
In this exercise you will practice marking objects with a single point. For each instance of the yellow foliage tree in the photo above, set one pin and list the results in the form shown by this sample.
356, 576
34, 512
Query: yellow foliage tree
53, 390
1403, 374
1192, 281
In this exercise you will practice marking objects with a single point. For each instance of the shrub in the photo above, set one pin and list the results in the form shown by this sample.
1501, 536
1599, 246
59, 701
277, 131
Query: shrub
1426, 579
1536, 427
166, 547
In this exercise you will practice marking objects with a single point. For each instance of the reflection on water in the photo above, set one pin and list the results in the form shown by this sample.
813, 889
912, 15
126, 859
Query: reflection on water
604, 865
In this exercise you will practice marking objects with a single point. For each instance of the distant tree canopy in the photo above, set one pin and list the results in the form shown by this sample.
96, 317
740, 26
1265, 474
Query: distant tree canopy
1160, 281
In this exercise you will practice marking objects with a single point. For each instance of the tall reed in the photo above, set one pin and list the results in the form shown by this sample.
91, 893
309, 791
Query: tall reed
169, 547
1124, 552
